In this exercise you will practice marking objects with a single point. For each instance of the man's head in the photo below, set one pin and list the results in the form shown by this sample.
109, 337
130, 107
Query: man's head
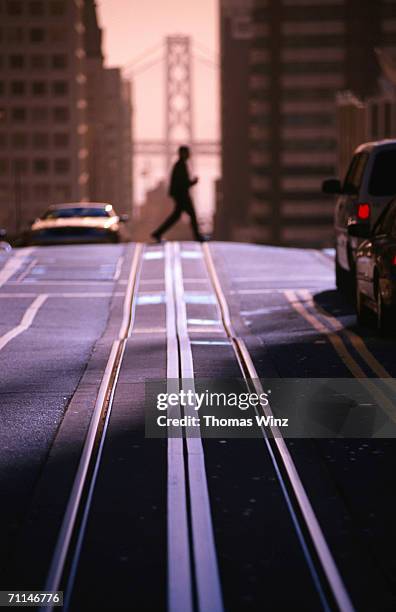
184, 152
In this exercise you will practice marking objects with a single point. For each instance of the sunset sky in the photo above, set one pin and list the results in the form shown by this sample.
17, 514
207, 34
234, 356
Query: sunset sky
132, 26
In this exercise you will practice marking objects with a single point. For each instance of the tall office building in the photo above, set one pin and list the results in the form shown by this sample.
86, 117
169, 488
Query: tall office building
65, 120
109, 118
117, 140
43, 129
282, 63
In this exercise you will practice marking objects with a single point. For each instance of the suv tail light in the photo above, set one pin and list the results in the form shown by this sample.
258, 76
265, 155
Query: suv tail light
394, 260
363, 211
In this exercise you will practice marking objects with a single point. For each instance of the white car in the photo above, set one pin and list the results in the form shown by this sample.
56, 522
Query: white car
76, 223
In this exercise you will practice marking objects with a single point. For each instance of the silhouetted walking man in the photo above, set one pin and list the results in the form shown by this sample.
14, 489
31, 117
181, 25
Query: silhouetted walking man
180, 184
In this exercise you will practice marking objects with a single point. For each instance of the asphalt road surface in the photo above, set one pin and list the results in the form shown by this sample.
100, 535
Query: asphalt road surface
120, 514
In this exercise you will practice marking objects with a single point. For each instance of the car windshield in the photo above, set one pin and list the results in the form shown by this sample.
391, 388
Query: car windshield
383, 176
78, 211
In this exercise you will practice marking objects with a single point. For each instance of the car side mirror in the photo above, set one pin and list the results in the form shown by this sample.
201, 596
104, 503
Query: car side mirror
331, 186
359, 230
123, 218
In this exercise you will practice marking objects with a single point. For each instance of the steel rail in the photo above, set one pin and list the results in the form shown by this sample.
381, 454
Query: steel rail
179, 576
284, 463
88, 457
191, 541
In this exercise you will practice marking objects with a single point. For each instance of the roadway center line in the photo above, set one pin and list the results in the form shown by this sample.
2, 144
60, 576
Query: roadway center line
26, 321
334, 338
14, 264
345, 355
355, 340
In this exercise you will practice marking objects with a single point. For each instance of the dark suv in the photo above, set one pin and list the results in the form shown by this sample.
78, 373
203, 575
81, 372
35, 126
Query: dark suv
368, 186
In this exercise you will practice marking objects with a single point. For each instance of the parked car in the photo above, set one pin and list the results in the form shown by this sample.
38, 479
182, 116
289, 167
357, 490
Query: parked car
368, 186
5, 247
376, 269
76, 223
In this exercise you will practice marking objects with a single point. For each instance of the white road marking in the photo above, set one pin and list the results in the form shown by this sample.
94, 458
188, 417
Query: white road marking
63, 283
25, 273
265, 279
64, 295
26, 321
14, 264
266, 290
118, 268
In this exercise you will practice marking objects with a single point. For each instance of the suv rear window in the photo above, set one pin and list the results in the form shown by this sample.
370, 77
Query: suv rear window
355, 172
383, 175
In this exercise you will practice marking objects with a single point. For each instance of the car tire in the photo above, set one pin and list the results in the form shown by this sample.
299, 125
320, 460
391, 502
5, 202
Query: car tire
363, 313
344, 280
340, 276
385, 316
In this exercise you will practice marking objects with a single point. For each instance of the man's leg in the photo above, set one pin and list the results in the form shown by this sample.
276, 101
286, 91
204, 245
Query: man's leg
173, 217
189, 209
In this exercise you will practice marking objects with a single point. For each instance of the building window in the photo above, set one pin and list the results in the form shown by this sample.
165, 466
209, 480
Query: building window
18, 88
36, 7
58, 34
40, 140
61, 114
21, 166
62, 165
17, 61
59, 61
3, 167
62, 193
18, 114
40, 166
40, 113
19, 140
39, 88
37, 35
58, 7
3, 140
60, 88
15, 35
4, 192
2, 88
38, 62
42, 192
14, 7
309, 120
61, 140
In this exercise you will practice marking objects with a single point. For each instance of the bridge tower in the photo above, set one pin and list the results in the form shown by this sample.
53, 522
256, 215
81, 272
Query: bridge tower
178, 97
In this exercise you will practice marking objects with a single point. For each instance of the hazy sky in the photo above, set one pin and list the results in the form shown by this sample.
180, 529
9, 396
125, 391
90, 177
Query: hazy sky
132, 26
